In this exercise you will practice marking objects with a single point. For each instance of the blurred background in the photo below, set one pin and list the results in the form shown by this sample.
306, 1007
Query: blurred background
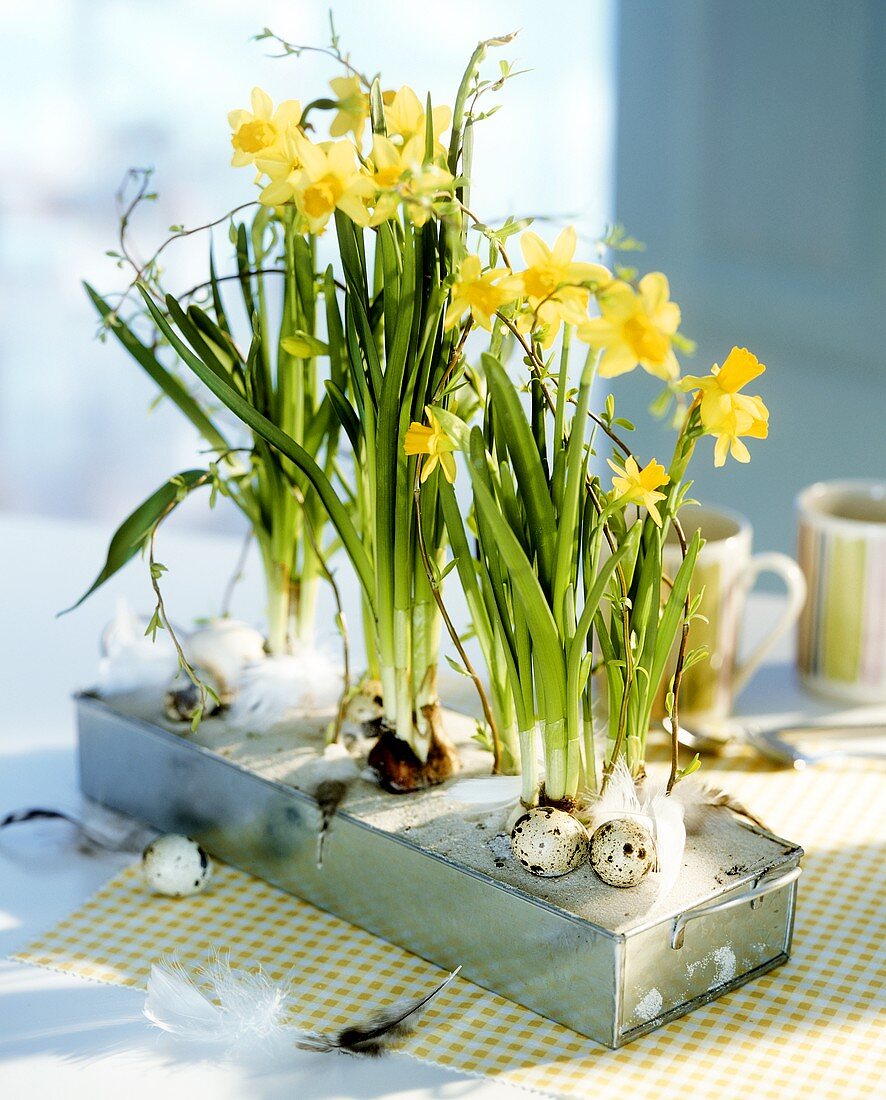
744, 143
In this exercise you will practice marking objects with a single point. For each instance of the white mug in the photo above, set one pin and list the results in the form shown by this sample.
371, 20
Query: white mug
842, 551
726, 571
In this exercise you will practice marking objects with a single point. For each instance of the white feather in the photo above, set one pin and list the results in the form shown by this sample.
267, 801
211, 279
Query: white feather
619, 799
695, 798
229, 1007
490, 793
336, 763
669, 831
278, 688
174, 1004
493, 792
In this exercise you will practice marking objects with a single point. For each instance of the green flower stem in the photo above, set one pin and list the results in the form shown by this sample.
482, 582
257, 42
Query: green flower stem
529, 765
304, 624
278, 607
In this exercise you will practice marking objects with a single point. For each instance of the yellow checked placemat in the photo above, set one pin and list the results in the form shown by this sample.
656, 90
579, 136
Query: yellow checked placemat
814, 1027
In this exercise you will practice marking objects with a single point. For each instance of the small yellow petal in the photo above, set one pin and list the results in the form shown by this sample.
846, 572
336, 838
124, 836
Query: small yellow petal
447, 464
564, 246
417, 439
616, 360
654, 290
535, 251
262, 104
741, 367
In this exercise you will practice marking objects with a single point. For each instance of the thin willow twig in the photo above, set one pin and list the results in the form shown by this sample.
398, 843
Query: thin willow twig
160, 609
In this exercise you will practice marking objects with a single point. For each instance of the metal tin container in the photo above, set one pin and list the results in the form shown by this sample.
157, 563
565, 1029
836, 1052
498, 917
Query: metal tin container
610, 986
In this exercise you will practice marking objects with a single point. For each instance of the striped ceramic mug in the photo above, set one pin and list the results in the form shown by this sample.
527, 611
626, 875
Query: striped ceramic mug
842, 551
725, 572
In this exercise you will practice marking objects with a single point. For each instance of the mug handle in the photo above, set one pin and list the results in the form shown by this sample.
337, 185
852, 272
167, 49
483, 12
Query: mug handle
795, 583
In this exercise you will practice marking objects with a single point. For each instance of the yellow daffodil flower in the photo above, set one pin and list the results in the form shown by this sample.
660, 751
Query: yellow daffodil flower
724, 411
399, 175
353, 107
546, 283
635, 327
635, 486
482, 292
256, 132
329, 179
279, 164
433, 442
405, 118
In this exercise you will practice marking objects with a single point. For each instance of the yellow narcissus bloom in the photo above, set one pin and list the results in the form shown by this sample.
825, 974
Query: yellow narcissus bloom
353, 107
635, 486
635, 327
405, 118
256, 132
329, 179
546, 278
399, 174
433, 442
482, 292
279, 164
724, 411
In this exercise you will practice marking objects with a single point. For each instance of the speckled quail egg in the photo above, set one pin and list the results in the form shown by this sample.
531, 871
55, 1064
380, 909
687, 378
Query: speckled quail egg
622, 851
549, 842
176, 866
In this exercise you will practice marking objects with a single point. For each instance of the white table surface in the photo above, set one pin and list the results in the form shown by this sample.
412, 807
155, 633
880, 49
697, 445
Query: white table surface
67, 1038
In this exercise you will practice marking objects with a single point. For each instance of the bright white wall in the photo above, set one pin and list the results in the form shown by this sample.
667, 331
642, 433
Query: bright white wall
94, 86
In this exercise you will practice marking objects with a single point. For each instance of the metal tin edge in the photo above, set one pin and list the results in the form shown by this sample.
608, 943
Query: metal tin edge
158, 732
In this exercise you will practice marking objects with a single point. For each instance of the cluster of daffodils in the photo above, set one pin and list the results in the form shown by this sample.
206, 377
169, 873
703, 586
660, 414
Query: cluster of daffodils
636, 326
317, 178
378, 359
725, 411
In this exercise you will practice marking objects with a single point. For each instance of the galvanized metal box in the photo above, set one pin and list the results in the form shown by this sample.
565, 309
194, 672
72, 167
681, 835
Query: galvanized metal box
611, 986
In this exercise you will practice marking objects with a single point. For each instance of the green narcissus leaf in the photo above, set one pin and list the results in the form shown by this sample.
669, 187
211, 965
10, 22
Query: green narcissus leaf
303, 345
261, 425
457, 430
456, 666
133, 533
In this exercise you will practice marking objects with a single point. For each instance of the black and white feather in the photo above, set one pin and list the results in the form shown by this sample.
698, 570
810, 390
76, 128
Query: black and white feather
328, 794
105, 829
379, 1032
237, 1009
